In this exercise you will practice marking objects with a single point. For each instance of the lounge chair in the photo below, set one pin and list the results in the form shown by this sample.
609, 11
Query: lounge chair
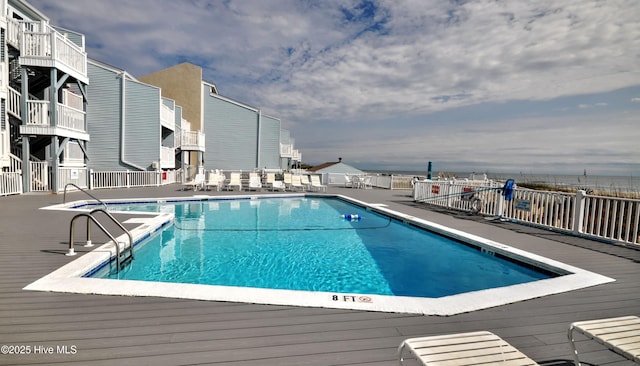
254, 182
287, 180
464, 349
304, 180
215, 180
273, 183
196, 183
234, 181
621, 335
315, 184
296, 183
278, 185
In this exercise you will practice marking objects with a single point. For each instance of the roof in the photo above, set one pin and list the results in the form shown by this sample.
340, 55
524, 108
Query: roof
335, 167
322, 166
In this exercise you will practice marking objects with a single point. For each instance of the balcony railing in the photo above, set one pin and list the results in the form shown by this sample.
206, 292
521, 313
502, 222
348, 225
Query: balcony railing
192, 140
41, 45
286, 150
167, 117
38, 113
167, 157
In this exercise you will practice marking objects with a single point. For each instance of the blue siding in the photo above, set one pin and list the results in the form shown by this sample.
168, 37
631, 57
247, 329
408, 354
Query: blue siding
269, 142
232, 134
142, 124
103, 119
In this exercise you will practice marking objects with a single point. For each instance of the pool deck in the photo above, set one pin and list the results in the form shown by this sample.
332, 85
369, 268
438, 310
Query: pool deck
107, 330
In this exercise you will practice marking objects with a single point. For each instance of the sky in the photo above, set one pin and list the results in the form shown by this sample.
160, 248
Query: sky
538, 87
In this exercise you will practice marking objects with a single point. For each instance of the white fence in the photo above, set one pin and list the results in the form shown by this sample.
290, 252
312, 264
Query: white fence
124, 179
615, 219
378, 181
10, 183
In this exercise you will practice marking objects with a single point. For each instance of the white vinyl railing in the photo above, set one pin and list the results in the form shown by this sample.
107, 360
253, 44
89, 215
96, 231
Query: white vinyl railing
124, 179
10, 183
167, 117
610, 218
71, 118
616, 219
68, 117
38, 40
39, 176
192, 140
13, 102
167, 157
75, 175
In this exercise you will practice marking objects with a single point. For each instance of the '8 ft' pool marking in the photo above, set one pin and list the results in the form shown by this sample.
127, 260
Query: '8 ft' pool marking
351, 298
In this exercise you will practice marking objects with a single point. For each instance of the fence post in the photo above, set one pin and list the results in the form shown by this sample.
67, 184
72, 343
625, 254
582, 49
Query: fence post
500, 205
448, 193
90, 179
578, 211
128, 178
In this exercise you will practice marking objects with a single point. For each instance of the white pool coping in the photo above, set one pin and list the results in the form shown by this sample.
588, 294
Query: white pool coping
68, 278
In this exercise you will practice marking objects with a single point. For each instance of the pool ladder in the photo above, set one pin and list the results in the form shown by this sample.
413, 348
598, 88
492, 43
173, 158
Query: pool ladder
122, 257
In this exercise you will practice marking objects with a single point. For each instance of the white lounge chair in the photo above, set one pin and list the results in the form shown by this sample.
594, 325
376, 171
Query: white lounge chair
315, 184
273, 183
216, 180
278, 185
621, 335
287, 180
254, 182
234, 181
196, 183
464, 349
296, 184
304, 180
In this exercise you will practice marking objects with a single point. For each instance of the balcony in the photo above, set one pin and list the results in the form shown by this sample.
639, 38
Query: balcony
71, 121
167, 157
296, 156
167, 118
192, 140
286, 150
42, 46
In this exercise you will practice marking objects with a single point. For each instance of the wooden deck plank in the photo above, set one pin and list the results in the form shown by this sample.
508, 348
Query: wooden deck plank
164, 331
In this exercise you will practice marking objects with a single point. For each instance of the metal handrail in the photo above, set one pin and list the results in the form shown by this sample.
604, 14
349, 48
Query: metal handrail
117, 223
90, 217
64, 197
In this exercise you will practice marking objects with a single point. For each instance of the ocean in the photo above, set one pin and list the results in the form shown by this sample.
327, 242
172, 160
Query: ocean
595, 182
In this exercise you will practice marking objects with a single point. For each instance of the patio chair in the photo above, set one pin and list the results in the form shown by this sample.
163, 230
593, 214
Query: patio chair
621, 335
463, 349
234, 181
366, 182
287, 180
215, 180
273, 183
315, 183
195, 184
348, 182
296, 183
304, 179
254, 182
278, 185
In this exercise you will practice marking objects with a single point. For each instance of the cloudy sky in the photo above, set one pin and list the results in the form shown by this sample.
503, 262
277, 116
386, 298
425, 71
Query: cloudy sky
487, 86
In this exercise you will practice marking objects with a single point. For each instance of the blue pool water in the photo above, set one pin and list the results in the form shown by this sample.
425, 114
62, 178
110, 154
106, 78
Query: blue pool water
304, 243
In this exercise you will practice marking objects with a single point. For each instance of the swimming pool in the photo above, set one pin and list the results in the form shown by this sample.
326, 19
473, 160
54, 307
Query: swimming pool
360, 277
311, 244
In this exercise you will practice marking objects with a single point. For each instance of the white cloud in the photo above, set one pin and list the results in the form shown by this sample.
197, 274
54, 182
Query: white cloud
351, 64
